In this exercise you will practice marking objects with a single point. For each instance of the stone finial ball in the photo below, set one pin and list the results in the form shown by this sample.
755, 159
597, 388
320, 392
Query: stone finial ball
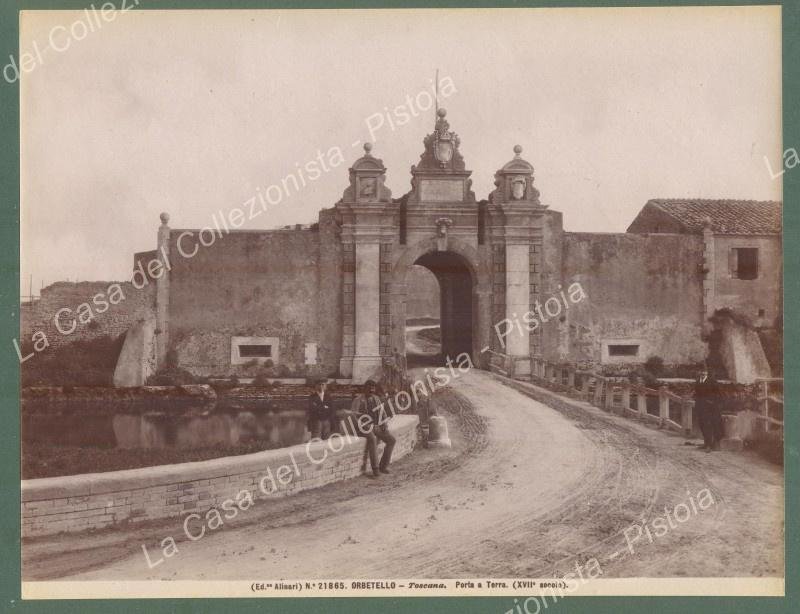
164, 217
441, 112
517, 149
367, 147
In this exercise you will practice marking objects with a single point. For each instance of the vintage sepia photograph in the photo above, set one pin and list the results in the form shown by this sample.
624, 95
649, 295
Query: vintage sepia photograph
409, 302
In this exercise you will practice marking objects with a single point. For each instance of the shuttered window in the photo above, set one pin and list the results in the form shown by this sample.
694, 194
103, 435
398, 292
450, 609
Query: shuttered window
743, 262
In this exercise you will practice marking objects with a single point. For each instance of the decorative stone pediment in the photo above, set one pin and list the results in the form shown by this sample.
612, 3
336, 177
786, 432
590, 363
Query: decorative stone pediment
514, 182
440, 175
368, 162
441, 148
367, 177
518, 165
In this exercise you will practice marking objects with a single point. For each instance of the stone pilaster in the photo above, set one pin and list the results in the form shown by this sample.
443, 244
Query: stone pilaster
498, 291
709, 273
367, 358
367, 233
484, 333
348, 308
517, 297
385, 315
535, 261
516, 228
162, 293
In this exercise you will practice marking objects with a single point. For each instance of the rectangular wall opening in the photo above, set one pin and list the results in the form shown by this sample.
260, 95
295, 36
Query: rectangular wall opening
255, 351
620, 349
744, 262
245, 350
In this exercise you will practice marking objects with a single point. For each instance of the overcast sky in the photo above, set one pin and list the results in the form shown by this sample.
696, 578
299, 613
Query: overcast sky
194, 112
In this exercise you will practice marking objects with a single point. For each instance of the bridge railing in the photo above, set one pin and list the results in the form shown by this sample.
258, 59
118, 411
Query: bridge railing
658, 405
769, 401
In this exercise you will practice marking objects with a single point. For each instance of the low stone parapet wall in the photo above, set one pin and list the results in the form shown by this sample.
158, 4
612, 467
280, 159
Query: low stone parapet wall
99, 500
61, 394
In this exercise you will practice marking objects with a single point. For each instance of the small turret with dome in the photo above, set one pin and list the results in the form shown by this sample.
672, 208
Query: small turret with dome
514, 182
367, 177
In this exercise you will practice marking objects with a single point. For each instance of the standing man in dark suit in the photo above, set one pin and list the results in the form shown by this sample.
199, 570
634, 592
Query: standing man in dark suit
372, 425
321, 415
708, 411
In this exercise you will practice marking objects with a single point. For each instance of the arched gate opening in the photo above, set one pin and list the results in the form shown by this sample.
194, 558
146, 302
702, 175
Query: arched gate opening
455, 280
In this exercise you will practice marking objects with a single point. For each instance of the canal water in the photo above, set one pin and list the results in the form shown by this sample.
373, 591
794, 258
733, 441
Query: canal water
129, 425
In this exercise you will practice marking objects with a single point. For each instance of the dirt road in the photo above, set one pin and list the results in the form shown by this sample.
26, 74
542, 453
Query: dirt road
416, 344
526, 491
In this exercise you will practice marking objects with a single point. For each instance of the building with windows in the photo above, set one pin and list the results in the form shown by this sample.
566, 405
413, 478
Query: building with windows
742, 250
331, 299
742, 276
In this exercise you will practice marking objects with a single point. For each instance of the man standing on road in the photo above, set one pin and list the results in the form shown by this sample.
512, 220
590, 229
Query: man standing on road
707, 409
374, 427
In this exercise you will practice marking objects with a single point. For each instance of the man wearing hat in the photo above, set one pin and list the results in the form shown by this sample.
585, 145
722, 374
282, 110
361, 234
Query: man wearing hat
707, 409
373, 427
321, 414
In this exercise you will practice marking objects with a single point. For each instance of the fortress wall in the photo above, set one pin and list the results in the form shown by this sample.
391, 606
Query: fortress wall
644, 289
113, 320
280, 283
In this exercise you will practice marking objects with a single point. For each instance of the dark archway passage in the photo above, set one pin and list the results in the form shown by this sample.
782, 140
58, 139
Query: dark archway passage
455, 303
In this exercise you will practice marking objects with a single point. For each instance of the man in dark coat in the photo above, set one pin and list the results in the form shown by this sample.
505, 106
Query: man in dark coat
707, 409
321, 414
372, 425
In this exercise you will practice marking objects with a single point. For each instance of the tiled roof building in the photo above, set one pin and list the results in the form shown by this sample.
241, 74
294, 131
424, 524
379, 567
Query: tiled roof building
729, 217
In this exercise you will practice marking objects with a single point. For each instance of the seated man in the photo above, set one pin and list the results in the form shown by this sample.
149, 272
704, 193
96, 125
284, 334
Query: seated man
321, 414
374, 427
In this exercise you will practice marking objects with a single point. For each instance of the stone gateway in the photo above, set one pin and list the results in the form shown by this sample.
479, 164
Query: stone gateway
330, 299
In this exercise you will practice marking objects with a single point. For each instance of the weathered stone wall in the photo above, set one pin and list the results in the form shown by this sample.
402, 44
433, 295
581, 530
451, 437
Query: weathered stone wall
113, 321
99, 500
280, 283
549, 335
329, 317
760, 299
137, 359
644, 289
741, 352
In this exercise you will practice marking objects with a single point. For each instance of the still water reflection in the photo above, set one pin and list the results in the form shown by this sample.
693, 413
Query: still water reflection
156, 429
